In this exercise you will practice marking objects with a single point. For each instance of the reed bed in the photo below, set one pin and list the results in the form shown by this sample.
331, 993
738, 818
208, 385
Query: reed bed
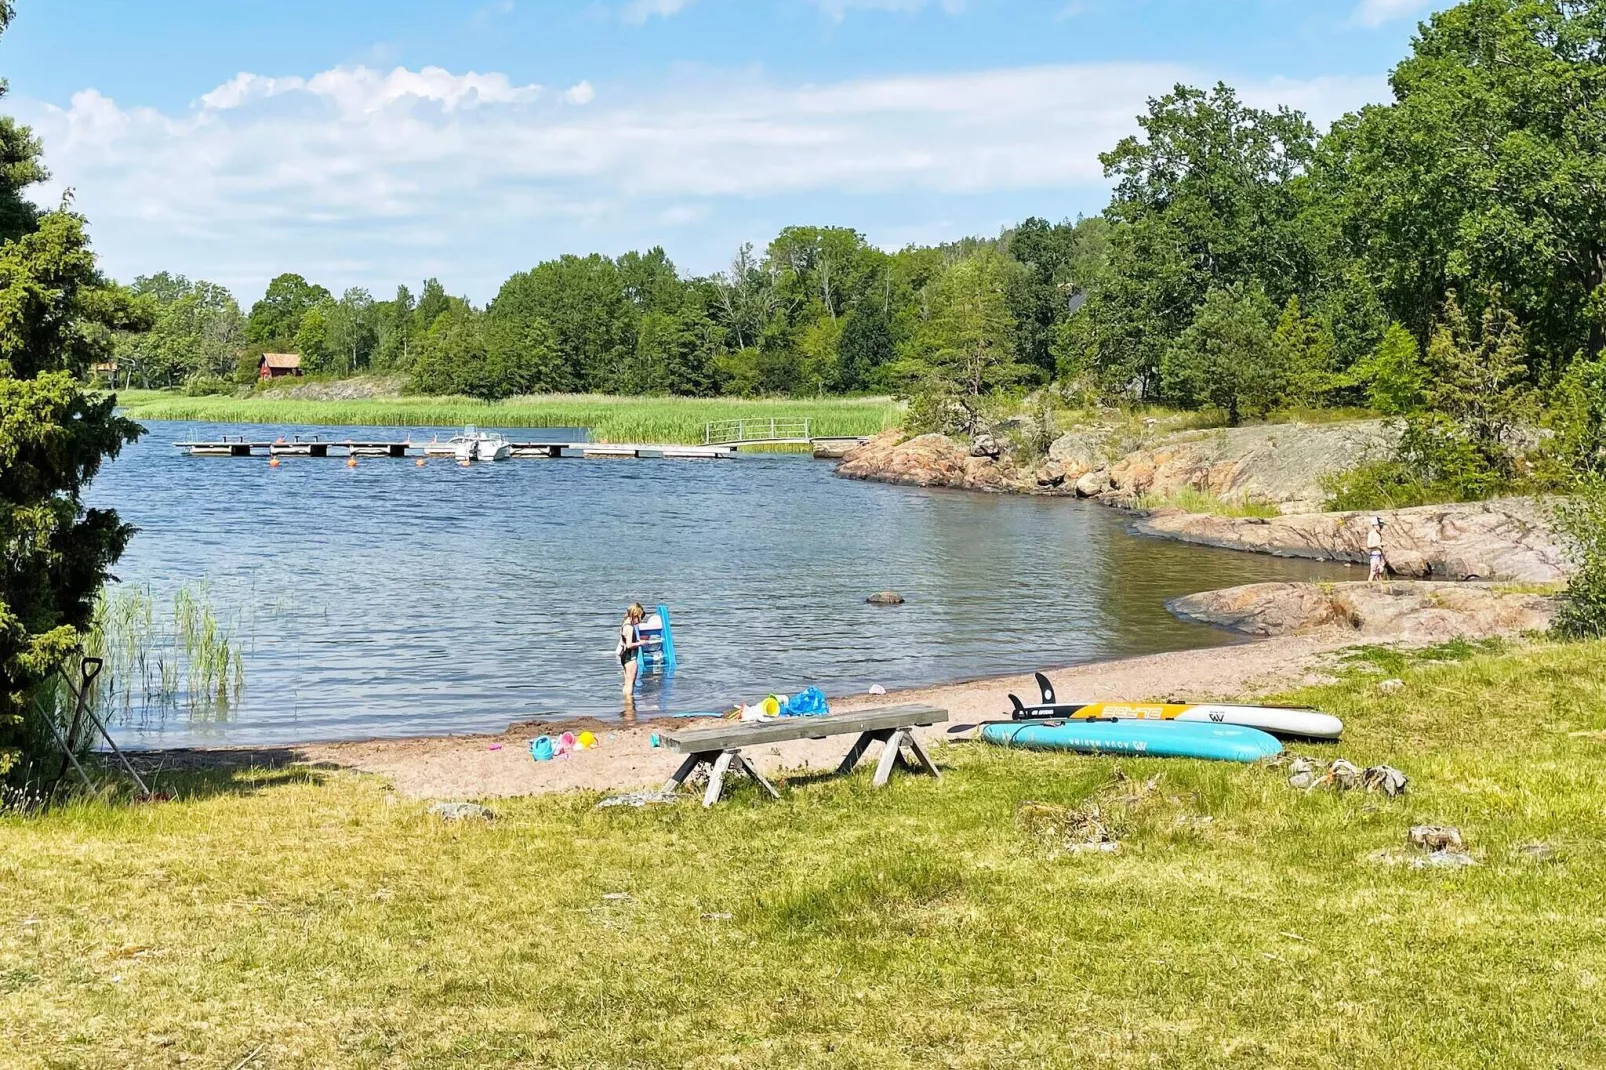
160, 659
609, 418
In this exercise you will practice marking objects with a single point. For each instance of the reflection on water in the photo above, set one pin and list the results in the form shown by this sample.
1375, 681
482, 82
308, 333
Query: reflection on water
389, 599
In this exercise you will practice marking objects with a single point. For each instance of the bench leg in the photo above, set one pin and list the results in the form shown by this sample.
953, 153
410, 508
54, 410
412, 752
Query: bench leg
686, 768
920, 755
889, 755
716, 777
860, 745
742, 765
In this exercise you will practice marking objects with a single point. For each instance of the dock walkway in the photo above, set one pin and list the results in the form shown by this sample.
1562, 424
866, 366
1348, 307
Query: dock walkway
240, 446
721, 440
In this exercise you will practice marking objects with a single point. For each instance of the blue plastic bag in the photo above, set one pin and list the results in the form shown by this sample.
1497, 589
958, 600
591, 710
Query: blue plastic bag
541, 748
810, 702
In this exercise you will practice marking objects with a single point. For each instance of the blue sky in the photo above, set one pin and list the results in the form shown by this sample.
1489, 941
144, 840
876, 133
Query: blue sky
368, 143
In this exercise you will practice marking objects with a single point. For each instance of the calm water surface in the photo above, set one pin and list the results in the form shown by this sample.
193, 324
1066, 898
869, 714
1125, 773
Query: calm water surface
390, 599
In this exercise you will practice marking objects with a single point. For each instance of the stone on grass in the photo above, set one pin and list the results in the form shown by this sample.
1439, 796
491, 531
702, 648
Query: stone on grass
461, 811
1443, 860
886, 598
1388, 687
1344, 774
1386, 779
1437, 837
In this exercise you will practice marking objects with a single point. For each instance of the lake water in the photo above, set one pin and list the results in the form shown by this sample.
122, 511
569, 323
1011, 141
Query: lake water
389, 600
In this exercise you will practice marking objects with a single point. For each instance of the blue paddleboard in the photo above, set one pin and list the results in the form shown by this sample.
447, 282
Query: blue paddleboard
1150, 739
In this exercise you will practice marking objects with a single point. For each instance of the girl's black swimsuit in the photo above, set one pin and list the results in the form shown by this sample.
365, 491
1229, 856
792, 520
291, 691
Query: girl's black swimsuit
629, 653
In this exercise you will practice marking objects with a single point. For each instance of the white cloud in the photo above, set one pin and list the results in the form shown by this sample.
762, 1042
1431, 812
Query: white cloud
1374, 13
639, 11
362, 90
357, 176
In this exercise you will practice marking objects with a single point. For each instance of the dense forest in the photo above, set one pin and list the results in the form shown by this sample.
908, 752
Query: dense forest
819, 310
1440, 258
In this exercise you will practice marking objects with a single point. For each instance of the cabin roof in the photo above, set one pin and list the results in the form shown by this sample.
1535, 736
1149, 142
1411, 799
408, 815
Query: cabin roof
282, 360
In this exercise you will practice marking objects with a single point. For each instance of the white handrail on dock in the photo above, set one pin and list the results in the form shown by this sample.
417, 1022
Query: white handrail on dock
771, 429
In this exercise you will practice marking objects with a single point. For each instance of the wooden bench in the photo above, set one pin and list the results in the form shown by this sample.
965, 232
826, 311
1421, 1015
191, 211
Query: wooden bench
720, 749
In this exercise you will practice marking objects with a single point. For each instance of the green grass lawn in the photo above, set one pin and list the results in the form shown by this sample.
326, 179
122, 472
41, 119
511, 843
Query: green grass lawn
316, 920
611, 418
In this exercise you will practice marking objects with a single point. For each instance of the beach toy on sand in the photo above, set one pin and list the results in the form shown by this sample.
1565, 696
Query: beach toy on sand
586, 740
565, 744
496, 746
654, 741
769, 707
541, 748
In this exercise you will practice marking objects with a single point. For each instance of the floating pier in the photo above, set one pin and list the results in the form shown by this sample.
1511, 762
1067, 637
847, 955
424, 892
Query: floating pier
240, 446
721, 440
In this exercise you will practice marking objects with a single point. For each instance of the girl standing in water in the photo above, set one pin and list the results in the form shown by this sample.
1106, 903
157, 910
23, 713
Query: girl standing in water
630, 644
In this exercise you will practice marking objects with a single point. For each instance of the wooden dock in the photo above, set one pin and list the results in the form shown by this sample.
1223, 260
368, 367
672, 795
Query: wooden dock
240, 446
721, 440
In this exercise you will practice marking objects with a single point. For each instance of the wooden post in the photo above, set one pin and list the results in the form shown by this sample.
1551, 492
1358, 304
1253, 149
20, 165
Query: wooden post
716, 778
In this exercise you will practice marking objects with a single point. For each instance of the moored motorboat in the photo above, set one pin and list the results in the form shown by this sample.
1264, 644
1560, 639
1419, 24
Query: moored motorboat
473, 444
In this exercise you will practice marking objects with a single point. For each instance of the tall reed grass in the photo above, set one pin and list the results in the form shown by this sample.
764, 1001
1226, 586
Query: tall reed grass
609, 418
166, 659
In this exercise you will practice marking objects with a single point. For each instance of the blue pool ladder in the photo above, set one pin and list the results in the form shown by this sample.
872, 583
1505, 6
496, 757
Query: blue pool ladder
659, 638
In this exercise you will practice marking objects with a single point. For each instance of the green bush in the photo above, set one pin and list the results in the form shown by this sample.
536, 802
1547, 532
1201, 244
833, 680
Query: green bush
200, 386
1581, 520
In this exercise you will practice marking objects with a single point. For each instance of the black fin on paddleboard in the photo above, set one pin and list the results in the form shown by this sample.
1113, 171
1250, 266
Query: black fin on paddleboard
1020, 707
1048, 689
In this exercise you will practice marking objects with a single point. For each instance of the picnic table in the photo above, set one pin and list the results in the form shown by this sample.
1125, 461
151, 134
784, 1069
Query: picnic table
720, 749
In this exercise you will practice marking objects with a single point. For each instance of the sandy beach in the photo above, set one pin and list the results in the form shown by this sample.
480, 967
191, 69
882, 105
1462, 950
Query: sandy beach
491, 766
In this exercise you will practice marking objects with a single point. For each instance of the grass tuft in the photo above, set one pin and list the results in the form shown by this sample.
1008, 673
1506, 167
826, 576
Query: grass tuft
1190, 500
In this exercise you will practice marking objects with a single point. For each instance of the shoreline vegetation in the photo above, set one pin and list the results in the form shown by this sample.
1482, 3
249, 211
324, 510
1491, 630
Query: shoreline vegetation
613, 418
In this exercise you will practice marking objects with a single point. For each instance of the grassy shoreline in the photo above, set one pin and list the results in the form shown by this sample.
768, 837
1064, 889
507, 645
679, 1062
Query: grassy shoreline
610, 418
317, 919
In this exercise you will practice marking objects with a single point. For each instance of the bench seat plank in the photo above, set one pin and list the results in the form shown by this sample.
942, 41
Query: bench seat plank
702, 740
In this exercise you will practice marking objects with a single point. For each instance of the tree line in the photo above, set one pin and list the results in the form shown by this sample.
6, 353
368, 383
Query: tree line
1440, 258
819, 310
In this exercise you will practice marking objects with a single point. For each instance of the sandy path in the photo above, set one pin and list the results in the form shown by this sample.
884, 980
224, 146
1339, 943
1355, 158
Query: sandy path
477, 767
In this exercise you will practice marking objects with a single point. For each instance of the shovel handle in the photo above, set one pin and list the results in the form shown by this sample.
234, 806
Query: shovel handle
90, 667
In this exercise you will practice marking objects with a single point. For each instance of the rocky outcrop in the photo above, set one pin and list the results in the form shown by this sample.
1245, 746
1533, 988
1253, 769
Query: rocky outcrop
1282, 464
940, 461
1406, 611
1278, 463
1506, 539
1085, 449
